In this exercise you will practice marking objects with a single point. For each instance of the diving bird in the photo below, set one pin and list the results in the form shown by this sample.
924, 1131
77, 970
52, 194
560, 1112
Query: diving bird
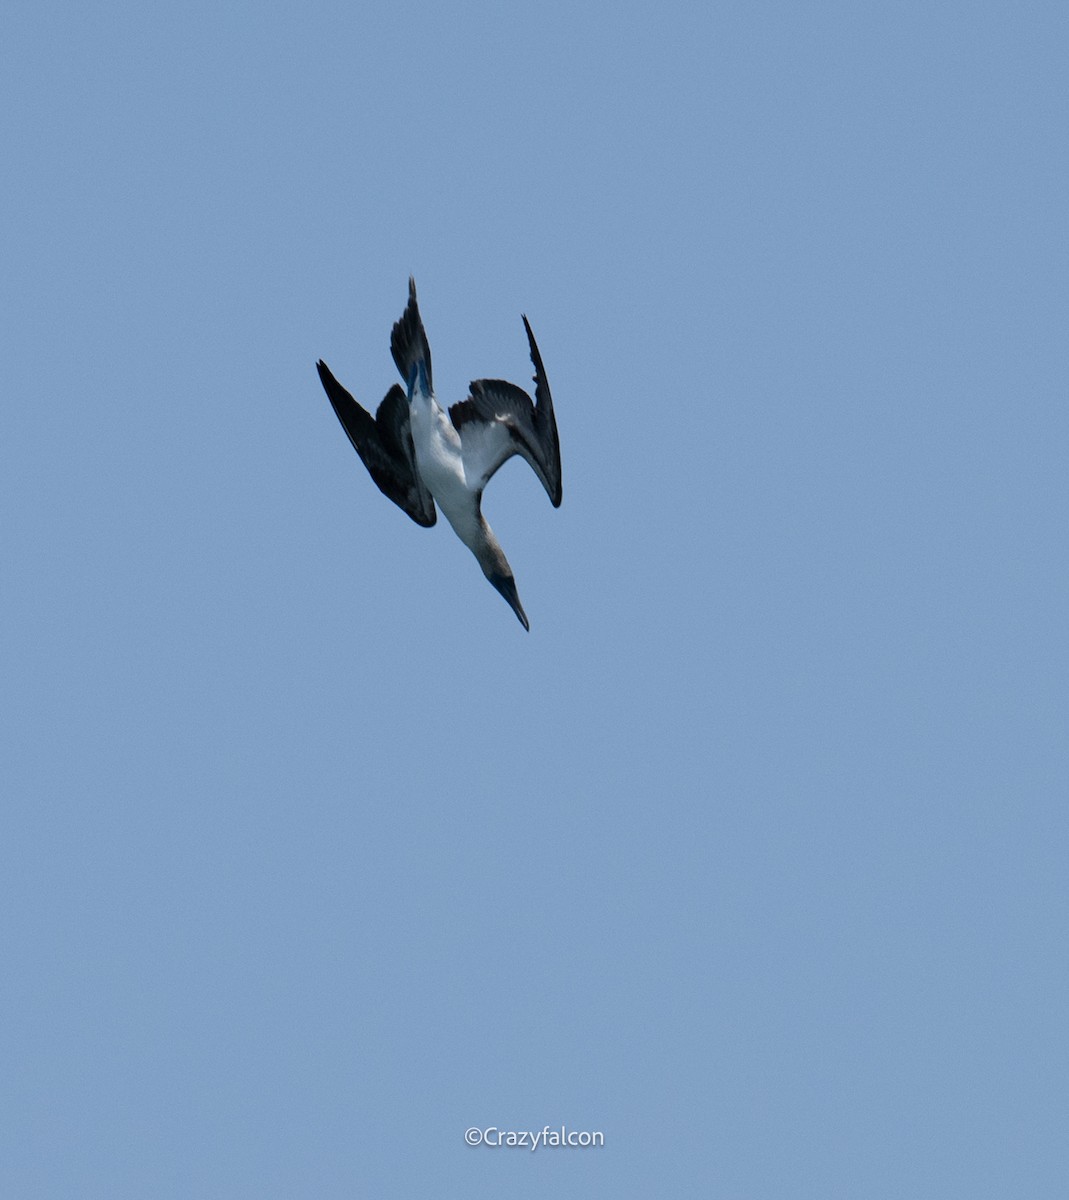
420, 454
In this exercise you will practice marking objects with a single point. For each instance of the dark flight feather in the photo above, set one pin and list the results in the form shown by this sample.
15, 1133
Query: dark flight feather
384, 443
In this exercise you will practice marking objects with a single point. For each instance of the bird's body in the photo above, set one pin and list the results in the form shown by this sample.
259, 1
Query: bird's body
419, 454
439, 457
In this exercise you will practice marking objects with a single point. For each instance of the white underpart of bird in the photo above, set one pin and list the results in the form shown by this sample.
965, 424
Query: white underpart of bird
419, 453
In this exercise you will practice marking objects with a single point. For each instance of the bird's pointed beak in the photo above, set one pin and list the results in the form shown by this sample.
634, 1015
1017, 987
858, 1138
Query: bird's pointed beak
506, 585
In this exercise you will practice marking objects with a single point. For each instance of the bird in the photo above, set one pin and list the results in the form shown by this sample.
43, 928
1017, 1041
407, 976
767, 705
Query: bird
421, 455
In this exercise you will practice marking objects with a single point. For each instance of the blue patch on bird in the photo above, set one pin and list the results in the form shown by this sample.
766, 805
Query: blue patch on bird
418, 373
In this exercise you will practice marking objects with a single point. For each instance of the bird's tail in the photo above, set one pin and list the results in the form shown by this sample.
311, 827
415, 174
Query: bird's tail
409, 346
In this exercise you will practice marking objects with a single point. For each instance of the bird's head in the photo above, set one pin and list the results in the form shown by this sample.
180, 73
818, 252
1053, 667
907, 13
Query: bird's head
506, 585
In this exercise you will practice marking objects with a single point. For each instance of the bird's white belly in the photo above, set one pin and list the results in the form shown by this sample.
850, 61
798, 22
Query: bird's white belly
441, 464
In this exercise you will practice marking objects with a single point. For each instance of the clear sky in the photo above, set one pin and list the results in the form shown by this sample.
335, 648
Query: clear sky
752, 855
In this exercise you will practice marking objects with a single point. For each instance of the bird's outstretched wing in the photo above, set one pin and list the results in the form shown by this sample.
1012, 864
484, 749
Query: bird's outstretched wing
499, 420
384, 443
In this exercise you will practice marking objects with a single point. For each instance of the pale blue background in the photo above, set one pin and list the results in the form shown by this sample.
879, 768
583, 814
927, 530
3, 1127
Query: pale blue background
753, 853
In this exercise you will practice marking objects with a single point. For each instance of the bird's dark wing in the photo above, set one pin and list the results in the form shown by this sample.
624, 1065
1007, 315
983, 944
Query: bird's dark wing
384, 443
499, 420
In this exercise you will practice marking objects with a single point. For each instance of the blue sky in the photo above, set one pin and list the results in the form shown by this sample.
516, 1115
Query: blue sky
752, 854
